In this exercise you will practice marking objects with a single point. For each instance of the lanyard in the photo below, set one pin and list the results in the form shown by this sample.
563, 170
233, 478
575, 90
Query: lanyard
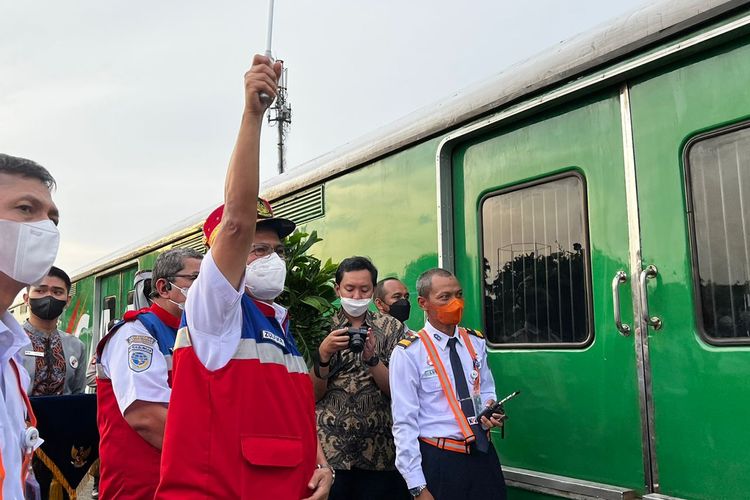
31, 435
455, 406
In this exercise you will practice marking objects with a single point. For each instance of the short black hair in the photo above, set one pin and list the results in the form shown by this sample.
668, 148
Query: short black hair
14, 165
356, 263
380, 287
56, 272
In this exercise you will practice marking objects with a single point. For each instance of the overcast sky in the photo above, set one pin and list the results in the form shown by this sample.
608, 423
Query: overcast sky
134, 106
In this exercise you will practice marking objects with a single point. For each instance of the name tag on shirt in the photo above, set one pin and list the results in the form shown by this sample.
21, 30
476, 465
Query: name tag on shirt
36, 354
273, 338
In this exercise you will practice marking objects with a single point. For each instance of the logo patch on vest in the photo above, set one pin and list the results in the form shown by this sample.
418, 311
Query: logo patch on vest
140, 352
273, 338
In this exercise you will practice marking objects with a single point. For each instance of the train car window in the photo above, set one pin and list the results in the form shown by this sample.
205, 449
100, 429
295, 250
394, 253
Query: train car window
131, 303
110, 304
535, 261
718, 178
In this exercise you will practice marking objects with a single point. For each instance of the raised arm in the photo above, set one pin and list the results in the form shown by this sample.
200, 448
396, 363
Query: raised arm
233, 242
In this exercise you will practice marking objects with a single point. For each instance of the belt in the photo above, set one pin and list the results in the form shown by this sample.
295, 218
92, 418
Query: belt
458, 446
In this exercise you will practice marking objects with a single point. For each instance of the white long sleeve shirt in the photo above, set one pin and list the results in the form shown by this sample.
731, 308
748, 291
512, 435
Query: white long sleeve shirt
13, 340
418, 404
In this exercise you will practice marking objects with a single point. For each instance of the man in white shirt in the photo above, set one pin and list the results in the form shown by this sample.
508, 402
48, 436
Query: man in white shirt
440, 384
134, 380
28, 247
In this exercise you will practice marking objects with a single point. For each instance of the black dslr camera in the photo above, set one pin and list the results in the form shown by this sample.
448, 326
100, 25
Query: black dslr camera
357, 338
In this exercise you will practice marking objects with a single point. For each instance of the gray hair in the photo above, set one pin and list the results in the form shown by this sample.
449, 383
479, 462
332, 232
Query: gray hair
13, 165
172, 262
424, 282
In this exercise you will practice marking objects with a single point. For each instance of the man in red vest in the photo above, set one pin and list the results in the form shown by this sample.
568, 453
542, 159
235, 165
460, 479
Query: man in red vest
241, 421
134, 363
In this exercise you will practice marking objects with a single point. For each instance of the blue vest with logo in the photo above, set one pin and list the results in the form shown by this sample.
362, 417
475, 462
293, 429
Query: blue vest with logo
164, 335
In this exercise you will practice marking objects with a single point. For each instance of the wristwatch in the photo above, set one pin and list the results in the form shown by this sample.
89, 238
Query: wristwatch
373, 361
328, 466
415, 492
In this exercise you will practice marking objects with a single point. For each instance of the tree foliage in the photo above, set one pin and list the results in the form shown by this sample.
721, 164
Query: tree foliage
308, 293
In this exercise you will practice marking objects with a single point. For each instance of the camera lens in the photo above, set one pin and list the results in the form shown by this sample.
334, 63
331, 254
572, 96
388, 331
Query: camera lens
356, 343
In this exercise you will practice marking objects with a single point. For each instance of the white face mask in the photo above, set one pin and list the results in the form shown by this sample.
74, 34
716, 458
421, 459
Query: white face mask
184, 292
28, 249
265, 277
355, 307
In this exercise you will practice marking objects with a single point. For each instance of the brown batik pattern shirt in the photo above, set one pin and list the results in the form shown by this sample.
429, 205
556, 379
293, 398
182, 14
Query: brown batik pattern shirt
49, 376
354, 415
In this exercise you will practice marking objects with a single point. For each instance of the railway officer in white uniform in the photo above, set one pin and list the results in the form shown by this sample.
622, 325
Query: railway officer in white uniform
440, 382
28, 246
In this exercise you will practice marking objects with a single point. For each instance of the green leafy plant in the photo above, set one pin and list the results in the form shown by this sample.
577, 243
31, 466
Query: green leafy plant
308, 293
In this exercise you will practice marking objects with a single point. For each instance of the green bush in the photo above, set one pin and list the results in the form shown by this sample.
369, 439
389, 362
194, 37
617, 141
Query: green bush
308, 293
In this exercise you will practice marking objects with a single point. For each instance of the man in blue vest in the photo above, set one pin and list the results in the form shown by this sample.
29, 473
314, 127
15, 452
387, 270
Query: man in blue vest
134, 381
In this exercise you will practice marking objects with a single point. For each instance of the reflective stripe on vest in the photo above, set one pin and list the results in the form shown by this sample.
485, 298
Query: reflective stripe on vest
251, 349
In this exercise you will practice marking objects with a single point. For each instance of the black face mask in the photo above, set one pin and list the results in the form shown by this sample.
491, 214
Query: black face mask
47, 307
400, 310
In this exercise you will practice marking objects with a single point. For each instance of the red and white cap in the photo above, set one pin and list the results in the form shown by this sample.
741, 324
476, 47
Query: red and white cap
283, 227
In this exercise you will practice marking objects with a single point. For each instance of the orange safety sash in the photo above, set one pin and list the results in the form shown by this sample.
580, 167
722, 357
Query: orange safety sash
30, 422
470, 347
2, 476
450, 395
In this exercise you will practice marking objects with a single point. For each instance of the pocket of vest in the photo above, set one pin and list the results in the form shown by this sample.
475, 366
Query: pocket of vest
272, 451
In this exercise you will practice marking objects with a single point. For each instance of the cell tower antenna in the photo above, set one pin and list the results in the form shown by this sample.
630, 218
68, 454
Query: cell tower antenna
280, 115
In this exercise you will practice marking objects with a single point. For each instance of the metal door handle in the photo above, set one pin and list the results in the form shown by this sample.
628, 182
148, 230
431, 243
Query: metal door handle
618, 280
648, 273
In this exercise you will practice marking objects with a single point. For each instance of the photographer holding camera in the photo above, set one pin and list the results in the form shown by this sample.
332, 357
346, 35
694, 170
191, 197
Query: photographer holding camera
350, 381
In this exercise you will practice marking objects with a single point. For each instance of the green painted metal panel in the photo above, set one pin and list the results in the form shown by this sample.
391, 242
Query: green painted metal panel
701, 392
578, 414
78, 317
519, 494
385, 211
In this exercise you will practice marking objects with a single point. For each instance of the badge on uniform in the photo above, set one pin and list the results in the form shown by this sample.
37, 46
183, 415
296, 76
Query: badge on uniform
437, 337
139, 354
36, 354
73, 362
477, 364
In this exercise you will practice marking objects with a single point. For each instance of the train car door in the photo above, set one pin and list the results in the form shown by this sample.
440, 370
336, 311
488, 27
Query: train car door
537, 227
692, 154
115, 295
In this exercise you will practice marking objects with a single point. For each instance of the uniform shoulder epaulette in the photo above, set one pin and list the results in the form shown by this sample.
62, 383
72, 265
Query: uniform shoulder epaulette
408, 340
476, 333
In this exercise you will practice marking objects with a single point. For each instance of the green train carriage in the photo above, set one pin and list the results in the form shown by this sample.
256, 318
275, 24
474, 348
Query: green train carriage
593, 202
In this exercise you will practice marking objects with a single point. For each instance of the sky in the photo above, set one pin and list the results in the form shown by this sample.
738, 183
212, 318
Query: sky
134, 106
